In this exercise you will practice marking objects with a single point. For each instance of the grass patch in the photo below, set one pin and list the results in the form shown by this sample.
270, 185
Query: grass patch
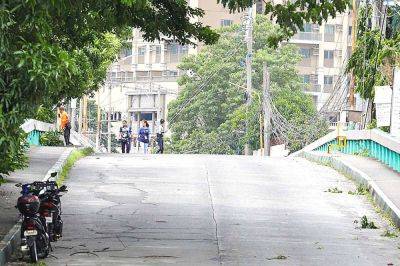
390, 234
365, 224
40, 263
72, 158
361, 190
333, 190
2, 180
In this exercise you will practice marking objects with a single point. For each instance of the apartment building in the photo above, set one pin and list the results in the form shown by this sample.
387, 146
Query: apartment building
144, 80
324, 50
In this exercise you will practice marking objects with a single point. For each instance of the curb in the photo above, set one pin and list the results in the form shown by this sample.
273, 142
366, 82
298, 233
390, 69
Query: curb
360, 177
12, 240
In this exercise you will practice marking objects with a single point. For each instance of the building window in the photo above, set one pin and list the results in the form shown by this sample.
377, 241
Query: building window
329, 29
329, 35
328, 84
146, 116
328, 54
306, 79
141, 53
176, 52
305, 52
226, 22
126, 50
307, 27
328, 80
350, 30
328, 58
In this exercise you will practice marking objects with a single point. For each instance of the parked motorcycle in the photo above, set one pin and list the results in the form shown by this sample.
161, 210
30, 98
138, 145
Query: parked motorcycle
40, 206
34, 237
50, 209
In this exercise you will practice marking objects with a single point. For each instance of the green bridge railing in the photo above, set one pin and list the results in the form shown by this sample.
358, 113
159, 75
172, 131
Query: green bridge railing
366, 147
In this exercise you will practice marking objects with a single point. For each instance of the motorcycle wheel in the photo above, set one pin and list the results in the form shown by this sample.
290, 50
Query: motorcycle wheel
44, 247
33, 252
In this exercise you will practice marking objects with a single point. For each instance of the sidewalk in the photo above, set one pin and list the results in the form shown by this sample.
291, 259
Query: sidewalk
384, 183
41, 159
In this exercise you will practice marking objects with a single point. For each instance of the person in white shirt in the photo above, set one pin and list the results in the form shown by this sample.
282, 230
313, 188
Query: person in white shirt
160, 136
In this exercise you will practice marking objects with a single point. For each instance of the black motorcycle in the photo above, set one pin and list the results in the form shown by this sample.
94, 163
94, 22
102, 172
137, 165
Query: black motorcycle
50, 209
34, 237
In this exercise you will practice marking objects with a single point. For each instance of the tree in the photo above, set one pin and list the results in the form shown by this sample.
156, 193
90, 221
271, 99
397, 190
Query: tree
374, 57
209, 115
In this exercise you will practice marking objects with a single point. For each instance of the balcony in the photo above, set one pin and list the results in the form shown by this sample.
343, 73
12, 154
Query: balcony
307, 36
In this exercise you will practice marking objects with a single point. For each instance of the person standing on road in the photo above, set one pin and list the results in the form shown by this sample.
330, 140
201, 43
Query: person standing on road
160, 136
125, 134
65, 125
144, 135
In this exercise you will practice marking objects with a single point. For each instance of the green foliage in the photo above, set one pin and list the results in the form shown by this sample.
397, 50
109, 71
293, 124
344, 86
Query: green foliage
365, 224
51, 138
209, 115
291, 15
361, 190
114, 141
45, 114
362, 152
373, 55
388, 233
372, 125
16, 157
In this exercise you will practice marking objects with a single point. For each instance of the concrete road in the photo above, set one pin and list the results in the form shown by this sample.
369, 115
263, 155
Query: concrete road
210, 210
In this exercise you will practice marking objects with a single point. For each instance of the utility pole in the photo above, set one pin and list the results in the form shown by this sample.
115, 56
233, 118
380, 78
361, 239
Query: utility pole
109, 120
266, 111
98, 133
249, 41
80, 116
85, 115
353, 47
73, 114
159, 103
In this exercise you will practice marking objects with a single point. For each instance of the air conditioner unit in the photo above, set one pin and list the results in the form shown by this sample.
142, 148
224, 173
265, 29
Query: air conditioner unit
339, 53
315, 51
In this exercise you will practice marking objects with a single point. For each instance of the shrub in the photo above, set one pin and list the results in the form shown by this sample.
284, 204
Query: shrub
51, 138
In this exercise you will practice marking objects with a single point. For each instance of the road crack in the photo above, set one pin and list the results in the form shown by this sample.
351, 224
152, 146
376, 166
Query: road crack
213, 215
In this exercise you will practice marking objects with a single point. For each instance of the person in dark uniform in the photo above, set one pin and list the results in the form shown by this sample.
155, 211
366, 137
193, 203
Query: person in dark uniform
125, 134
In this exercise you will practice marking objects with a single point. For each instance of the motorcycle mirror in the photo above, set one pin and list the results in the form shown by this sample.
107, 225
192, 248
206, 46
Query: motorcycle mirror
54, 174
63, 188
18, 185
